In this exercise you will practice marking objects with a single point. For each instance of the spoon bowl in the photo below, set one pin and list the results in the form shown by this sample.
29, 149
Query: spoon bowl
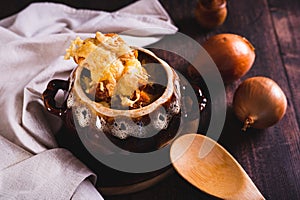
209, 167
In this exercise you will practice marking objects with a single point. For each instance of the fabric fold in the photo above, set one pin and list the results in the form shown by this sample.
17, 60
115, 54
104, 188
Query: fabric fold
32, 166
57, 18
28, 181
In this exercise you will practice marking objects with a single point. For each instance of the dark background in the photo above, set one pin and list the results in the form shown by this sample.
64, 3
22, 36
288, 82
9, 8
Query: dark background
271, 156
11, 7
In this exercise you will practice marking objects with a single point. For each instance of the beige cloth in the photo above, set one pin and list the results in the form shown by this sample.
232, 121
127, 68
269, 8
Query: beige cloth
33, 43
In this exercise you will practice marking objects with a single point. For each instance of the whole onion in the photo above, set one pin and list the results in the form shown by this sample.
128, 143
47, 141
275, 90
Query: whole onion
259, 102
233, 54
211, 13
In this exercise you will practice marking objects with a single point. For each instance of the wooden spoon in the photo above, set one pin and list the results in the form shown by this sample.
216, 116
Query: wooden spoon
208, 166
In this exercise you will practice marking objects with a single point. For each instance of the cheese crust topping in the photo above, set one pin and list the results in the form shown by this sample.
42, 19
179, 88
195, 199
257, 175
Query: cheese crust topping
115, 70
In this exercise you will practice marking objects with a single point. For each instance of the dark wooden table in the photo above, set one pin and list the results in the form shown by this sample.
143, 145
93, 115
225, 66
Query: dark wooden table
271, 156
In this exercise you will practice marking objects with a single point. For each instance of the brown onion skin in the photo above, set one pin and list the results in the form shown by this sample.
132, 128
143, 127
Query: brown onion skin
211, 13
233, 54
259, 102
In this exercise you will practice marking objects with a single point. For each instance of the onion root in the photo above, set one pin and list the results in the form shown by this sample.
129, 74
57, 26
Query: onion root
247, 124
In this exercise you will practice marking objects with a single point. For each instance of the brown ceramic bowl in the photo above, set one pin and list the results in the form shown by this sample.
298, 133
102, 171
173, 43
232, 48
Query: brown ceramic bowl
106, 130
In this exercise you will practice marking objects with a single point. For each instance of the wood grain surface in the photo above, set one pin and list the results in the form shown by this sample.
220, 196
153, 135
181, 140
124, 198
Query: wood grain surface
271, 157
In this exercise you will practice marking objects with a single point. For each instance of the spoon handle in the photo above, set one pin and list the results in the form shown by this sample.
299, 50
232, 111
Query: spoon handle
250, 191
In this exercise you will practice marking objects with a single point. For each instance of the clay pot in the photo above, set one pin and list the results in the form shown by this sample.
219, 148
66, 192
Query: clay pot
106, 130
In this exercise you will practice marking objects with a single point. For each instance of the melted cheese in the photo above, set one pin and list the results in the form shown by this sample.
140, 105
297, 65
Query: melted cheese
111, 60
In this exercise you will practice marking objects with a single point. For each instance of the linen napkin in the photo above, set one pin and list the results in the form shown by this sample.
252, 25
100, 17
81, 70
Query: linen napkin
33, 43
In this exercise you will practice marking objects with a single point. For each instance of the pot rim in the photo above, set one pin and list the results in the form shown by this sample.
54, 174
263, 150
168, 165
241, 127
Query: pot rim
134, 113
